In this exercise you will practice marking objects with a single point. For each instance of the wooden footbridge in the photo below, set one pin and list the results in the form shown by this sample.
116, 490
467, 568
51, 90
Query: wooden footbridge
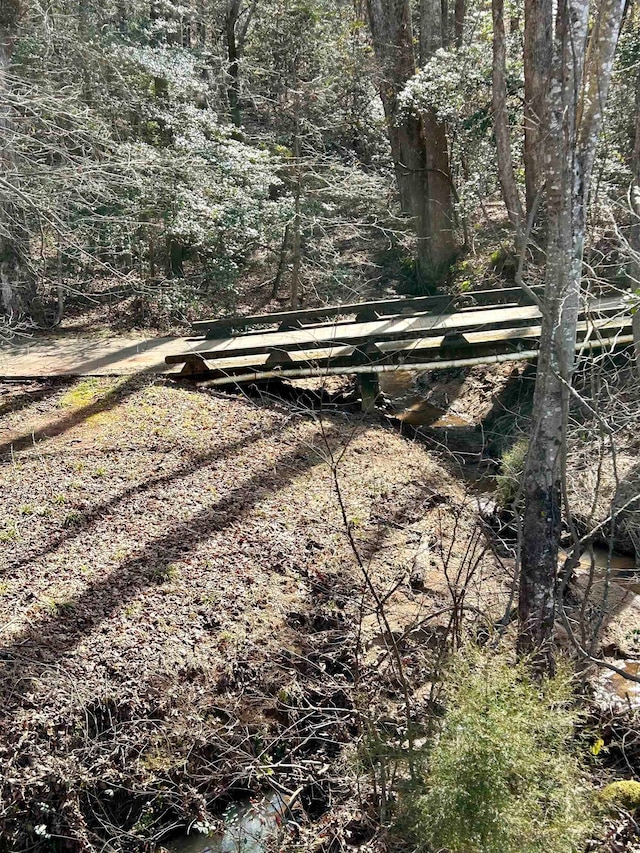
367, 339
363, 339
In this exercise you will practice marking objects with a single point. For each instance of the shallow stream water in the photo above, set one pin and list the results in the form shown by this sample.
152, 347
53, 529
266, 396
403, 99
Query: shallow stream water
624, 573
249, 826
625, 690
402, 388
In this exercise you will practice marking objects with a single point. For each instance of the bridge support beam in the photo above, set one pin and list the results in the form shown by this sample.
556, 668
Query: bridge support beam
369, 388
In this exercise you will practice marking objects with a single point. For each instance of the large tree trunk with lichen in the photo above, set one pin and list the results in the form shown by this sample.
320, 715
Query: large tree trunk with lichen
418, 142
18, 291
576, 98
237, 22
501, 129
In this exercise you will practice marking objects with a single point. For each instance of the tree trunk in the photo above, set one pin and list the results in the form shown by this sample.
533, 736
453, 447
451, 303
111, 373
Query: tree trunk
635, 329
233, 57
444, 16
459, 13
296, 241
501, 127
576, 98
282, 262
634, 231
538, 32
296, 251
18, 291
83, 33
236, 36
185, 32
121, 11
431, 29
418, 143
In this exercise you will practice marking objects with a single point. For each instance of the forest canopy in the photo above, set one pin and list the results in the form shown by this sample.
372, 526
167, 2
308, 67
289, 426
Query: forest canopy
176, 150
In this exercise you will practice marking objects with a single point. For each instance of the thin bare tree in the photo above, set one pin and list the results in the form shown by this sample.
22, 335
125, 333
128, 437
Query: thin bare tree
538, 32
582, 64
634, 231
501, 127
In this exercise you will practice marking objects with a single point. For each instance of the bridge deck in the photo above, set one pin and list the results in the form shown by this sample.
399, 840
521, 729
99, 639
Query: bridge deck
468, 335
363, 311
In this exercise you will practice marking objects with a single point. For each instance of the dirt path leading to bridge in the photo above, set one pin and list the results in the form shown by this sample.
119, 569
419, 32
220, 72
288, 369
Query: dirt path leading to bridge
76, 355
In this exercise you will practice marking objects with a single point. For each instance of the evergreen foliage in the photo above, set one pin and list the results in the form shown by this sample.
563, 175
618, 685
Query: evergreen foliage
131, 163
503, 774
509, 480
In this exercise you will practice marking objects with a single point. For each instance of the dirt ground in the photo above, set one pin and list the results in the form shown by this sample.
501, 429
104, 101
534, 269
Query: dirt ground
179, 591
205, 595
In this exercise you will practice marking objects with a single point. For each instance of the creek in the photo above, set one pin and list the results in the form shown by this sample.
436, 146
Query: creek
249, 826
623, 575
403, 389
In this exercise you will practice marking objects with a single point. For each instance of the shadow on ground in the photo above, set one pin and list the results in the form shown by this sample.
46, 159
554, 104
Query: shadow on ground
49, 637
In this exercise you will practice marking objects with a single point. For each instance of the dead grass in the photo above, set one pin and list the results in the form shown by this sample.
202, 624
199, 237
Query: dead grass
175, 579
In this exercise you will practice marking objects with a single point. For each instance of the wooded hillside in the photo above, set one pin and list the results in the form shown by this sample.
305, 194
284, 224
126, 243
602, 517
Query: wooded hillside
394, 613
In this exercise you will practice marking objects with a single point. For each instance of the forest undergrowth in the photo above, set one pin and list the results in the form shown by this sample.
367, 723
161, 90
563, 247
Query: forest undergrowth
205, 596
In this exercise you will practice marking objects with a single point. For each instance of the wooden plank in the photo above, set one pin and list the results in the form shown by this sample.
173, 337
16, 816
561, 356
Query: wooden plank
407, 351
614, 342
397, 328
366, 310
363, 332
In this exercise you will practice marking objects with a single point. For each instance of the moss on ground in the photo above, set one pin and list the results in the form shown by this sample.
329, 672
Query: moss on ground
624, 793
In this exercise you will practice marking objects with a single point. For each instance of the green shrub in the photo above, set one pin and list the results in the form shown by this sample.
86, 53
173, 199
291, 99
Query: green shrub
503, 774
509, 479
